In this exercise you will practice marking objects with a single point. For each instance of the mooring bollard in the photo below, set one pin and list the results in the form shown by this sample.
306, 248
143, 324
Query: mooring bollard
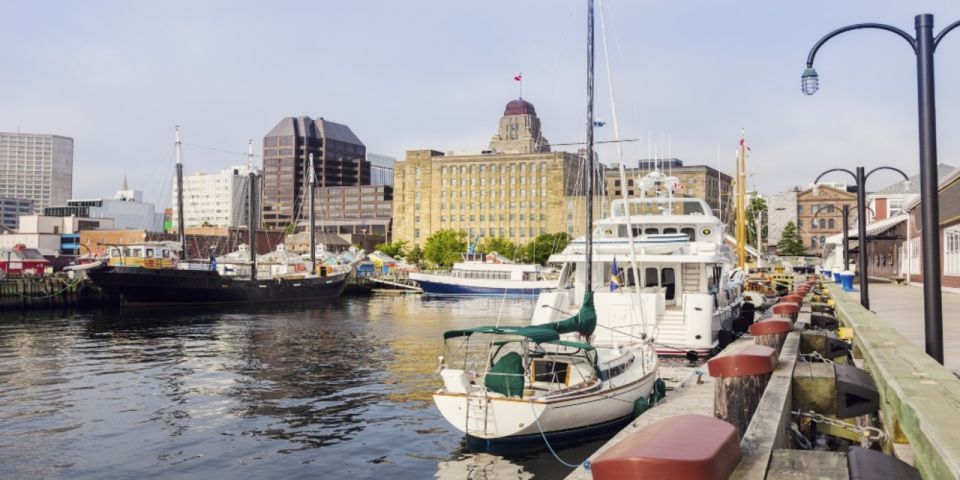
693, 447
787, 309
741, 380
772, 332
792, 298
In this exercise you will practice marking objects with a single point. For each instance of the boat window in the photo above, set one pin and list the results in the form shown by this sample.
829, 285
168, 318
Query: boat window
547, 371
627, 276
652, 231
669, 230
668, 281
622, 231
126, 252
136, 252
149, 252
689, 232
114, 252
650, 277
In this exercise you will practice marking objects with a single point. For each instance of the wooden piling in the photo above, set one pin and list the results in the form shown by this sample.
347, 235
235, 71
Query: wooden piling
771, 332
742, 378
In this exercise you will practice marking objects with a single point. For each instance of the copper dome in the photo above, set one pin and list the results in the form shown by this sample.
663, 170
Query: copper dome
519, 107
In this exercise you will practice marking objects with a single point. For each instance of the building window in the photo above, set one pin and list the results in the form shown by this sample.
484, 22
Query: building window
830, 224
894, 207
813, 242
951, 251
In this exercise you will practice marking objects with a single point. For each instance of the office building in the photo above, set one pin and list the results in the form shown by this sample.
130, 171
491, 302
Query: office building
36, 167
361, 215
214, 200
339, 160
11, 209
516, 189
381, 169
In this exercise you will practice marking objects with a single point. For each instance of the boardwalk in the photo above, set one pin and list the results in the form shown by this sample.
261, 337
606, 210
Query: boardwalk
903, 307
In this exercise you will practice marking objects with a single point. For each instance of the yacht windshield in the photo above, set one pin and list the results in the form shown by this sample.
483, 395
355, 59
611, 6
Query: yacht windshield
661, 206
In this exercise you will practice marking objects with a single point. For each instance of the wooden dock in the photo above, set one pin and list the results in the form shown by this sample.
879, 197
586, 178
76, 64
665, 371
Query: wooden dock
913, 430
53, 291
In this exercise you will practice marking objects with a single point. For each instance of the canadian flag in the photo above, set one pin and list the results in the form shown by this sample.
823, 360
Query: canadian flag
518, 77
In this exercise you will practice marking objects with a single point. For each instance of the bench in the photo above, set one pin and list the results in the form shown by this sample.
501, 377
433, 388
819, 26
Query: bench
898, 280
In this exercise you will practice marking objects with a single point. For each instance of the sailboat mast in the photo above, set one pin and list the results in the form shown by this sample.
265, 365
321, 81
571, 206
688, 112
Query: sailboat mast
180, 228
590, 163
313, 219
742, 204
252, 212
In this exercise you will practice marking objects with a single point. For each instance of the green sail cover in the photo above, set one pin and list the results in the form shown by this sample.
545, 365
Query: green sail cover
506, 376
584, 322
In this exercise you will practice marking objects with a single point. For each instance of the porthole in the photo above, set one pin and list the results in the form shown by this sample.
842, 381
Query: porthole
706, 231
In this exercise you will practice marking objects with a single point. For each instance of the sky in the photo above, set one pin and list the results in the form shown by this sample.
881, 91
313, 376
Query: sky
117, 76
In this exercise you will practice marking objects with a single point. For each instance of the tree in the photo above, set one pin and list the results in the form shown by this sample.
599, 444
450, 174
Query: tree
500, 245
546, 244
415, 256
757, 204
396, 249
444, 247
790, 242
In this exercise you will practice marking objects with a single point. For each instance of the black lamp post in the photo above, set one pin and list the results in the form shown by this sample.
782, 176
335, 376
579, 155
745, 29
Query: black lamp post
861, 179
924, 46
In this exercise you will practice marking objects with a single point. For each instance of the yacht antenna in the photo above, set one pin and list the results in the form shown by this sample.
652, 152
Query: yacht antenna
589, 189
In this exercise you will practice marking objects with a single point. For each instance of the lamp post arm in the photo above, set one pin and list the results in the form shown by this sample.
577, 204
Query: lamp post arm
835, 170
905, 177
936, 41
879, 26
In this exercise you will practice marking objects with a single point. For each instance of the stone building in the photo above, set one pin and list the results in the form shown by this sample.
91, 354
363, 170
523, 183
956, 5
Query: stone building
339, 159
699, 181
517, 189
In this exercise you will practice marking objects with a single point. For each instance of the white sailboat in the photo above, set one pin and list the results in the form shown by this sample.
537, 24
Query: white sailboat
549, 381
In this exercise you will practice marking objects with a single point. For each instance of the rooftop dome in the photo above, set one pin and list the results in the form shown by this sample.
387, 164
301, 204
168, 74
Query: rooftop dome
519, 107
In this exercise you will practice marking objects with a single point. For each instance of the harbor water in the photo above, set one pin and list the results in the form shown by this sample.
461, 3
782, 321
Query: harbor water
334, 391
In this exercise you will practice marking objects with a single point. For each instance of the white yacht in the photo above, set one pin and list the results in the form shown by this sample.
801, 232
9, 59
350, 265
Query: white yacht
684, 290
489, 274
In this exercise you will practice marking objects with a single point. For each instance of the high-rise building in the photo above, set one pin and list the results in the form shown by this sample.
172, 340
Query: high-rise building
36, 167
517, 189
215, 200
381, 169
339, 160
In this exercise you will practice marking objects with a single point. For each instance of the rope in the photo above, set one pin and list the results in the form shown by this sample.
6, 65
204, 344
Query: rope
51, 295
536, 418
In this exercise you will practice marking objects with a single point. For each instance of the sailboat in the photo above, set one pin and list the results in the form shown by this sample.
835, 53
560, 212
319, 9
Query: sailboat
167, 280
548, 382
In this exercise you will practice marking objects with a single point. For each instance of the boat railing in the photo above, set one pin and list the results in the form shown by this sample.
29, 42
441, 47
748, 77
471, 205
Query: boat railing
471, 274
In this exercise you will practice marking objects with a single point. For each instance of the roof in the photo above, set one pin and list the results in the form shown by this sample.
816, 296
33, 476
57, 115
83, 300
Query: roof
519, 107
874, 228
913, 184
538, 334
31, 254
941, 184
314, 128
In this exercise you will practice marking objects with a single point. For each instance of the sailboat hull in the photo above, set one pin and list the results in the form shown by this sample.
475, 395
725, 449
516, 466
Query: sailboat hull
133, 285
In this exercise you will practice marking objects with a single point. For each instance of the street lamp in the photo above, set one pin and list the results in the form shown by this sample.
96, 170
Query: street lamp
924, 46
861, 178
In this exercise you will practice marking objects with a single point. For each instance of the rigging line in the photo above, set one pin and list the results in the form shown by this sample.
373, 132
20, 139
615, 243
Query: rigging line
623, 174
617, 141
216, 149
536, 418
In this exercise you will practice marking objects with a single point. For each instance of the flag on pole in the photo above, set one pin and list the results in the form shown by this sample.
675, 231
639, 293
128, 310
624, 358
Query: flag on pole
518, 77
615, 273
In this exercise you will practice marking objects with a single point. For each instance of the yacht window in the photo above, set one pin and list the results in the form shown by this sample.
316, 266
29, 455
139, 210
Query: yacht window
667, 280
650, 276
547, 371
669, 230
149, 252
622, 231
652, 231
136, 252
627, 276
689, 232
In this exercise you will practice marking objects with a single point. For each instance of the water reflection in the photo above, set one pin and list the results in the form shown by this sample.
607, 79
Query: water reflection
271, 392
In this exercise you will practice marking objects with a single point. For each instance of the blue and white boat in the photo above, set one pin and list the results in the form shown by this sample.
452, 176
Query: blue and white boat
486, 275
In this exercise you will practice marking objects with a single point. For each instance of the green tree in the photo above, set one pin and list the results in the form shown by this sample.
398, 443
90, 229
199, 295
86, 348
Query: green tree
500, 245
396, 249
546, 244
790, 242
444, 247
757, 204
415, 256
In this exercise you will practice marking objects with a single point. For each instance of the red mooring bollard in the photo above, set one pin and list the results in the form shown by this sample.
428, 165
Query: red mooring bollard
772, 332
741, 379
690, 447
787, 309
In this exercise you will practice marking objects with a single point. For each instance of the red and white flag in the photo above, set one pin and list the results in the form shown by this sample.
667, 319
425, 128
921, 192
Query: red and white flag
518, 77
743, 142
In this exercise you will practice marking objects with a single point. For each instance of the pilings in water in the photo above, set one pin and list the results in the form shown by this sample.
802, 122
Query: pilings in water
48, 292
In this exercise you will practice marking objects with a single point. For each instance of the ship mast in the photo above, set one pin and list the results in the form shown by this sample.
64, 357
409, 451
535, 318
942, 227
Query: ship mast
313, 219
742, 204
180, 228
252, 212
589, 158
